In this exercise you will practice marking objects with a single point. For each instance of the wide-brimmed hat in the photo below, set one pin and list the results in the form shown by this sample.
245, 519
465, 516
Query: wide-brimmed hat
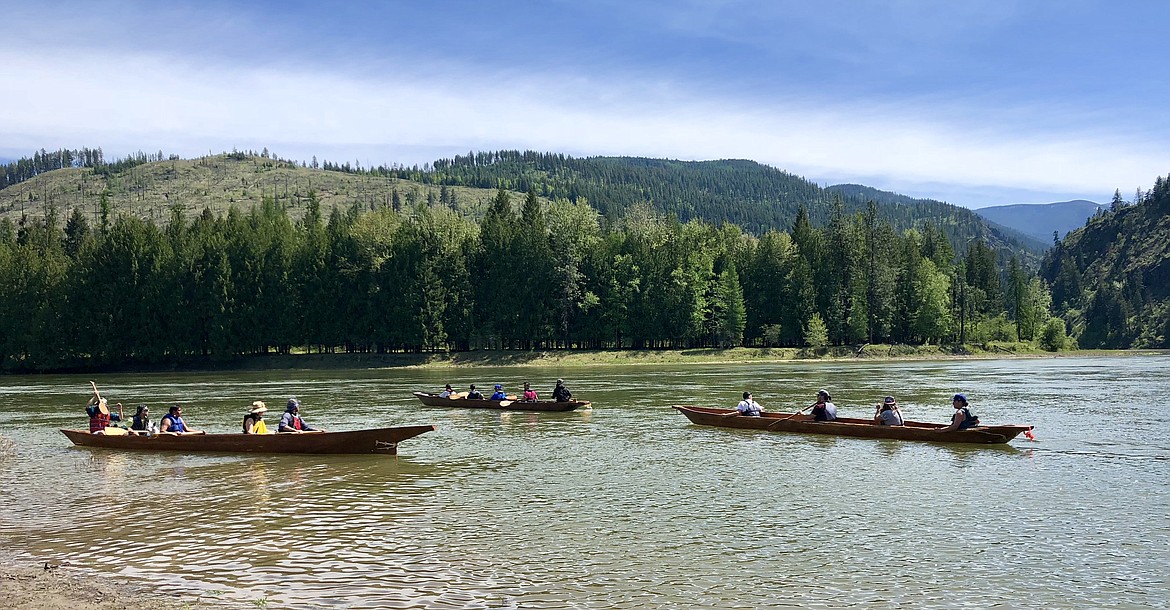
293, 404
889, 400
825, 394
960, 398
258, 407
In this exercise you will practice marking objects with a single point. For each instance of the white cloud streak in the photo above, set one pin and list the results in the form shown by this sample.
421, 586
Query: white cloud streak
126, 103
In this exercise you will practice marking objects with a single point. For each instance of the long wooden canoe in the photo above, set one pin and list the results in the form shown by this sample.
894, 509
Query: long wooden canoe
378, 441
434, 400
912, 431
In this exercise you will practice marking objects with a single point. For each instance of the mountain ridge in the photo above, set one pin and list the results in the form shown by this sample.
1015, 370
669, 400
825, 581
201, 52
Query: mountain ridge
1041, 220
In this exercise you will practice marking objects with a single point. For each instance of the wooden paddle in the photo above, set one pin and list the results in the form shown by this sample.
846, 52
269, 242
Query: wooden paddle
459, 395
771, 425
504, 403
101, 408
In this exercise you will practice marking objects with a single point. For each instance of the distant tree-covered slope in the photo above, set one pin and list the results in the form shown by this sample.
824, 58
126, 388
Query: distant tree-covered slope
749, 194
965, 224
1111, 278
1042, 220
755, 197
153, 187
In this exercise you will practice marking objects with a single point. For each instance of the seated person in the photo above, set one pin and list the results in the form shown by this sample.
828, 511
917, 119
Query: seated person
474, 394
560, 393
888, 413
824, 409
140, 423
99, 414
748, 407
963, 418
172, 423
529, 393
446, 393
254, 420
499, 393
291, 420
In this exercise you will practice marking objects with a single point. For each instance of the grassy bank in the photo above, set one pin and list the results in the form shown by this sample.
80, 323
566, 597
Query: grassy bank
571, 358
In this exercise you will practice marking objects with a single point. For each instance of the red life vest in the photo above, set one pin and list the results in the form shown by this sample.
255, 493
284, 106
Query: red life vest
98, 421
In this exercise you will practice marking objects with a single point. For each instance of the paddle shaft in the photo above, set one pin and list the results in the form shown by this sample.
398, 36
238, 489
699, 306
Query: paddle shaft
791, 416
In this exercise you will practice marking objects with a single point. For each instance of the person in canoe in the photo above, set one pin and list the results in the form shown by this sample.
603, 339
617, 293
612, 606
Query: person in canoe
824, 409
474, 394
172, 423
963, 418
291, 420
446, 393
99, 414
747, 407
888, 414
499, 393
140, 423
560, 393
529, 393
254, 419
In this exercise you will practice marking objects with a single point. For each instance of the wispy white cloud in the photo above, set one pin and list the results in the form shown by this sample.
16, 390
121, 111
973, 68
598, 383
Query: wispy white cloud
189, 103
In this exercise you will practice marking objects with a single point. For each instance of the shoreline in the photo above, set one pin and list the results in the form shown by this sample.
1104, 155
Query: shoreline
585, 358
29, 585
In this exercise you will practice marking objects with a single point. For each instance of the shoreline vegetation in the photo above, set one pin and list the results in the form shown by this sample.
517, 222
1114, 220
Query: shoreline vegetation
341, 360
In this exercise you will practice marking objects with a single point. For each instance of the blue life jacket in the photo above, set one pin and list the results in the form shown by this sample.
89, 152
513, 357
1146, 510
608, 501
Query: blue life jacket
969, 420
177, 424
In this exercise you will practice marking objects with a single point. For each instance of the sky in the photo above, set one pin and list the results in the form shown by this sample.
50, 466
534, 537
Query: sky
977, 103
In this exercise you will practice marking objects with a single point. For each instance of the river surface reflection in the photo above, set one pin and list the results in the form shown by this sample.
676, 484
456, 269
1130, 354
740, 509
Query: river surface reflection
626, 505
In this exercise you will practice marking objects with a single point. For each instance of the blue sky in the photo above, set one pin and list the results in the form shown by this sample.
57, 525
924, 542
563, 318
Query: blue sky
976, 103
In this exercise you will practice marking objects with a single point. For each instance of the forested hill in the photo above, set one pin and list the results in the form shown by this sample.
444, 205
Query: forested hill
745, 193
1111, 278
994, 232
753, 196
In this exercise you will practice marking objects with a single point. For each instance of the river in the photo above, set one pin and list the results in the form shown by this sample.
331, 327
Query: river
626, 505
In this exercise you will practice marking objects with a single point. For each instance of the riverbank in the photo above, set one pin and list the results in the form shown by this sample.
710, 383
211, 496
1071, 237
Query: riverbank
51, 586
575, 358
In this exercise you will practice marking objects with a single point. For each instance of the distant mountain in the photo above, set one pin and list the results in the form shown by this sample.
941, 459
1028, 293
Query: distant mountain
1041, 220
754, 196
997, 234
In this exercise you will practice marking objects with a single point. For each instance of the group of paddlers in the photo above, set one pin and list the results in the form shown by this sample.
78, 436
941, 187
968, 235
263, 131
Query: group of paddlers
886, 412
560, 393
102, 420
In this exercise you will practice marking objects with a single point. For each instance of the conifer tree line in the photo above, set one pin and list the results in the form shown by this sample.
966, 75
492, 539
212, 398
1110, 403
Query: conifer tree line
529, 275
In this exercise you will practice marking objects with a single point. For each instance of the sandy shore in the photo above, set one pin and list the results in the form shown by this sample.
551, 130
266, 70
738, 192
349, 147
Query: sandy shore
62, 587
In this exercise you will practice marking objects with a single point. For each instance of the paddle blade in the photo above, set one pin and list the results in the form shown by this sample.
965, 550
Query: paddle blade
504, 403
1028, 435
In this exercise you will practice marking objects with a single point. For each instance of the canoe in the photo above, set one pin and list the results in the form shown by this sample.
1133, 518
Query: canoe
434, 400
844, 426
382, 441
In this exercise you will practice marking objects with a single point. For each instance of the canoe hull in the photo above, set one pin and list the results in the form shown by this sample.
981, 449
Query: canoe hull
860, 428
381, 441
434, 400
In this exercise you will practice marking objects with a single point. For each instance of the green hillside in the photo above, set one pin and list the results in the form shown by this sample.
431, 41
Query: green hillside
151, 190
1111, 279
746, 193
752, 196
